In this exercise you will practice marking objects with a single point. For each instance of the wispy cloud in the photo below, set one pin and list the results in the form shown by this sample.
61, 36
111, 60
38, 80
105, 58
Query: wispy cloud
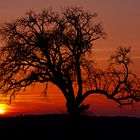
104, 50
135, 57
107, 58
101, 58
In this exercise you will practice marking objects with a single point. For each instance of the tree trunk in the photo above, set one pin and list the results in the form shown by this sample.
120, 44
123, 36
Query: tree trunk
74, 105
74, 109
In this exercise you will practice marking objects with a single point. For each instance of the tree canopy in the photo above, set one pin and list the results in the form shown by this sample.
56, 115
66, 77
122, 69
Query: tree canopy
57, 47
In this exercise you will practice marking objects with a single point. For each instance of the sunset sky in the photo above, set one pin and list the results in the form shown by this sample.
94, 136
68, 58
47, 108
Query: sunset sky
121, 22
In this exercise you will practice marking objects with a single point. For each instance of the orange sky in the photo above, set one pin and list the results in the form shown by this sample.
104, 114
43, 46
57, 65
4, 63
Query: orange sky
121, 21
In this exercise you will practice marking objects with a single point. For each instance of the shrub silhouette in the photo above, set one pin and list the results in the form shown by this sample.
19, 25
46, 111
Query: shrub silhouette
57, 48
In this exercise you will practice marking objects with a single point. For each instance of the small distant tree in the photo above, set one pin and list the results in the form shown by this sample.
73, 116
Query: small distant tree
57, 48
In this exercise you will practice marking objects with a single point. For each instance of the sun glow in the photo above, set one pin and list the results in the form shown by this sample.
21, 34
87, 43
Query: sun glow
2, 109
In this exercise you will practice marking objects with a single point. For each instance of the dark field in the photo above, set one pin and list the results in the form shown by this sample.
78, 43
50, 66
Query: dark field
63, 127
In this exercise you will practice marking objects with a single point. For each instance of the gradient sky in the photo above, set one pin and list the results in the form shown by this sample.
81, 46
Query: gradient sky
121, 21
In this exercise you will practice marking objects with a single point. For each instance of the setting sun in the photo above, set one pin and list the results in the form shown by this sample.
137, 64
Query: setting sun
2, 108
2, 111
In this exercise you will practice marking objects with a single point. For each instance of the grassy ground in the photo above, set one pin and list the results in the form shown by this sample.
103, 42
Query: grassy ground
62, 127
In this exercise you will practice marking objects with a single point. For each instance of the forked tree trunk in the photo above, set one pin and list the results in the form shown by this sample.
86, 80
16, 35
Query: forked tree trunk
74, 106
75, 109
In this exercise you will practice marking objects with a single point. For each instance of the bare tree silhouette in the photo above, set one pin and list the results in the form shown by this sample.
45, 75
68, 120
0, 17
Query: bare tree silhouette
56, 47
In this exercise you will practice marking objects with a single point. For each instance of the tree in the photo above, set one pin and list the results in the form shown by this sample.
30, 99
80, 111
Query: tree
57, 48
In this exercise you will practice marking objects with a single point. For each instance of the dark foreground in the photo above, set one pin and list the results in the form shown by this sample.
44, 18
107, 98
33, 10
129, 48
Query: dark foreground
62, 127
